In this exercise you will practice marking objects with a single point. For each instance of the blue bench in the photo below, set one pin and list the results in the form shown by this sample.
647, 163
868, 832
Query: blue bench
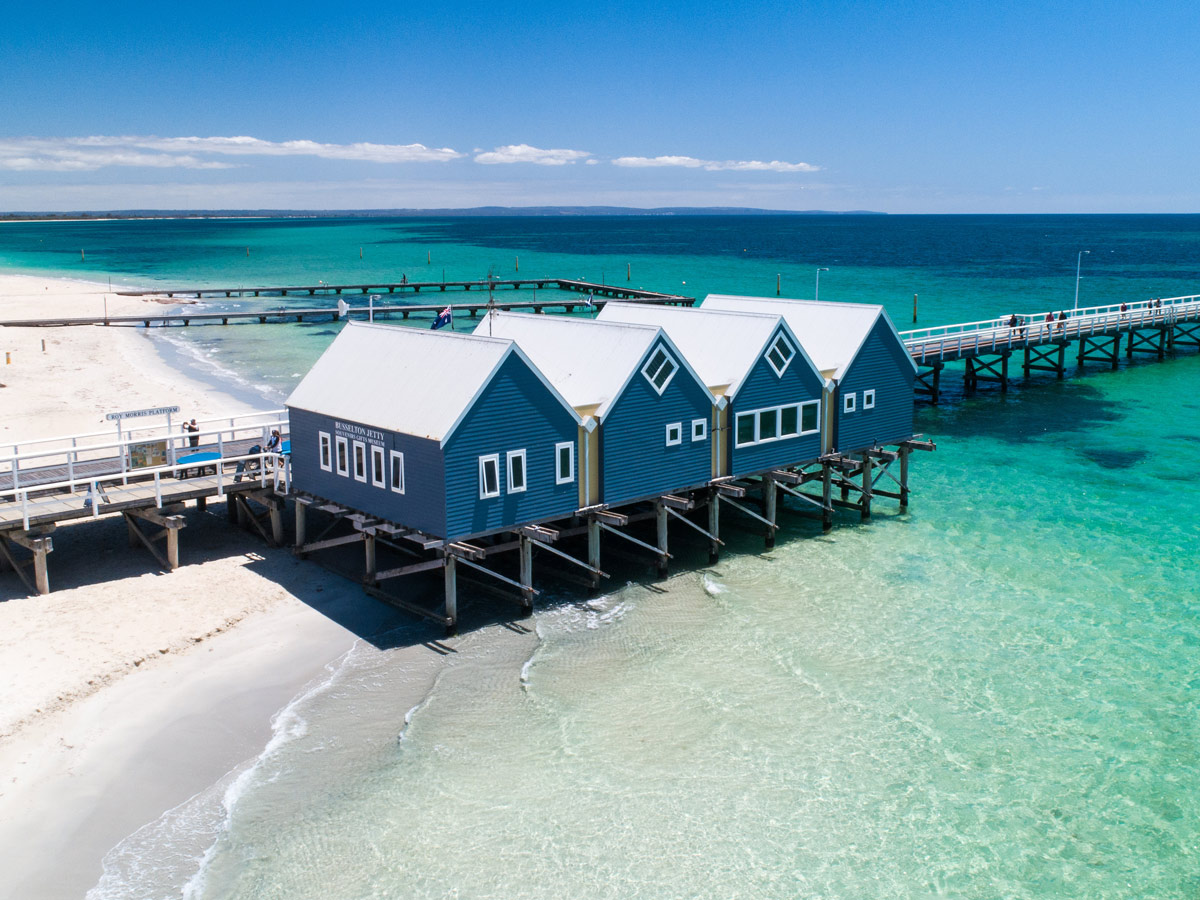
197, 461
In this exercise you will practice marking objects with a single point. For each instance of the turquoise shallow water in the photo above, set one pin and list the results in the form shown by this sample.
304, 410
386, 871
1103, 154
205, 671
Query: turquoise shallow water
994, 695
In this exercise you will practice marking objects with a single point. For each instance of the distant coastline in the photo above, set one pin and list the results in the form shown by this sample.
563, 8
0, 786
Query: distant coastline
99, 215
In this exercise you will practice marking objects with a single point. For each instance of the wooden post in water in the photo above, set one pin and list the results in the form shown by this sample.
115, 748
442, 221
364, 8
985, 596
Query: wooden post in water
628, 271
914, 309
867, 466
778, 282
360, 252
660, 515
301, 509
526, 575
770, 497
517, 264
369, 551
593, 535
451, 595
429, 259
714, 525
904, 453
826, 497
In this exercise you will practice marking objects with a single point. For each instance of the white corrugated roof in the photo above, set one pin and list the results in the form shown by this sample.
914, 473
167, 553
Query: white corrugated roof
722, 346
587, 362
408, 380
830, 332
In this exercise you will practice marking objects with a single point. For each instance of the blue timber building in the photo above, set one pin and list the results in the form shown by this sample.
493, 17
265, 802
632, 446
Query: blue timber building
647, 415
452, 434
773, 391
856, 347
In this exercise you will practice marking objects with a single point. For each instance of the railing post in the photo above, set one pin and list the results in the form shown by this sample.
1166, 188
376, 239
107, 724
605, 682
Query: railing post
25, 510
157, 490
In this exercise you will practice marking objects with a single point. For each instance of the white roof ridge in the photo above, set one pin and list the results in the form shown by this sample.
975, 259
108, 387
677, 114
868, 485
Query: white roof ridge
825, 304
392, 328
566, 320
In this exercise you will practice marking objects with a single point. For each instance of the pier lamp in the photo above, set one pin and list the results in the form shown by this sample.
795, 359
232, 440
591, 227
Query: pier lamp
817, 292
1078, 262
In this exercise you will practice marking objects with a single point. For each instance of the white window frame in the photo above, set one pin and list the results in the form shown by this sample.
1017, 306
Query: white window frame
667, 357
678, 439
755, 414
849, 402
699, 429
800, 419
394, 457
325, 451
378, 461
869, 399
494, 459
569, 446
355, 457
781, 339
517, 454
342, 455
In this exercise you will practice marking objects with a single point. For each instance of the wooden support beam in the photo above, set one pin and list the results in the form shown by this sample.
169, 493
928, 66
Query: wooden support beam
631, 540
751, 513
593, 570
905, 451
413, 568
770, 499
783, 475
369, 576
463, 550
451, 582
301, 522
526, 550
660, 515
608, 517
593, 539
332, 542
539, 533
714, 527
867, 486
406, 605
737, 491
690, 524
826, 497
474, 566
683, 503
885, 455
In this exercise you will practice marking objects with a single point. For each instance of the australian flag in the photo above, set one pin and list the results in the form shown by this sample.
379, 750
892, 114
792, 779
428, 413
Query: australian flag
442, 320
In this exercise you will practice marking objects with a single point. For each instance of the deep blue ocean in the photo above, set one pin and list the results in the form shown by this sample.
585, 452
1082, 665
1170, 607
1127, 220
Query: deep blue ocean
994, 695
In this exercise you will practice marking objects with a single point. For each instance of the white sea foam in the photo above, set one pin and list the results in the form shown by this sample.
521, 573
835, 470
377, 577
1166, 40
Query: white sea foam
170, 856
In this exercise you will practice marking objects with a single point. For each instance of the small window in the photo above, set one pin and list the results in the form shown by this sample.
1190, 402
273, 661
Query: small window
848, 403
326, 451
489, 476
780, 354
564, 454
810, 414
789, 421
343, 456
746, 433
674, 434
768, 424
360, 461
516, 471
869, 399
699, 429
378, 472
397, 471
660, 370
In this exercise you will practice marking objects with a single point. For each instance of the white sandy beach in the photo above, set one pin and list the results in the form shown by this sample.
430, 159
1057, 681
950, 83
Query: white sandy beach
129, 689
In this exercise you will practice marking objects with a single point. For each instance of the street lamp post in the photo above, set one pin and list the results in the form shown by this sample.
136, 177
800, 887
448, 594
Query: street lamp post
1078, 262
817, 292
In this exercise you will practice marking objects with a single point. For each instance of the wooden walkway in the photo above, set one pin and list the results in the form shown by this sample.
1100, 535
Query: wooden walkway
1153, 328
600, 294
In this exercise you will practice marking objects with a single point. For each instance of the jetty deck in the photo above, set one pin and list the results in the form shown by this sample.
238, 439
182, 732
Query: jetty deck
1149, 327
597, 295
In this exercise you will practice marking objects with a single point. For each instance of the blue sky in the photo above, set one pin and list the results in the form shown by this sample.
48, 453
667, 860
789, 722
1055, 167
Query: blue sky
899, 107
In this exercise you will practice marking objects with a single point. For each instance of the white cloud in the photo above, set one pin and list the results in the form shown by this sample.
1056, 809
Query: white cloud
523, 153
732, 165
85, 154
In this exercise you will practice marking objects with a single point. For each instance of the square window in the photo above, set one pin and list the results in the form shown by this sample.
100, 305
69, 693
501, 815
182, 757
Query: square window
699, 429
869, 399
378, 473
516, 471
360, 461
343, 455
768, 424
660, 369
780, 354
674, 434
489, 476
746, 433
848, 403
397, 471
789, 421
810, 414
564, 455
326, 451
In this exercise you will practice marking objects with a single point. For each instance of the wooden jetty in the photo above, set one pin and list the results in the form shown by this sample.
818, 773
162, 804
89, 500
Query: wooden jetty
1147, 328
597, 295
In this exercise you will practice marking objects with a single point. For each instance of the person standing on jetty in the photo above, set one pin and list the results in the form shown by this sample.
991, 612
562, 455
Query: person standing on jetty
193, 436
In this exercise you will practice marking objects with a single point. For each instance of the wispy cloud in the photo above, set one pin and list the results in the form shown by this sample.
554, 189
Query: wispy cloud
85, 154
710, 165
523, 153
